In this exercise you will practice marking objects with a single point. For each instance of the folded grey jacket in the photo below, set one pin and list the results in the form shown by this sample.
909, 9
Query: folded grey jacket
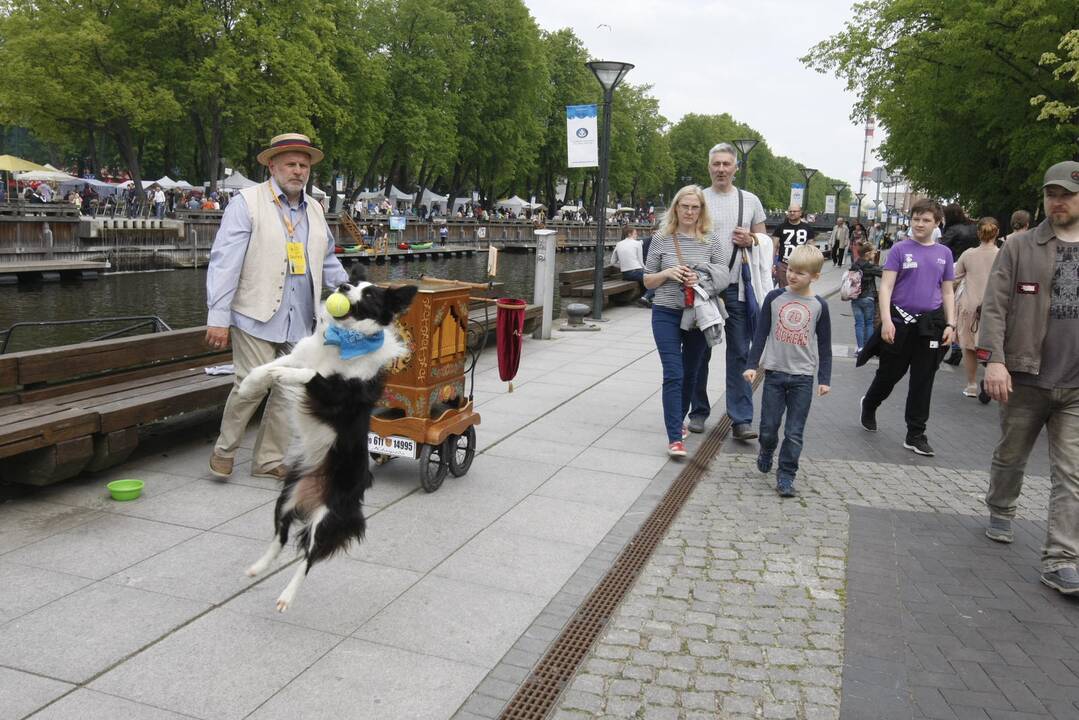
709, 312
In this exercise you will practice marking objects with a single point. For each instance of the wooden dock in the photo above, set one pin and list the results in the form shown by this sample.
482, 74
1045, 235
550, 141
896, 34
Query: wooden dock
395, 255
50, 271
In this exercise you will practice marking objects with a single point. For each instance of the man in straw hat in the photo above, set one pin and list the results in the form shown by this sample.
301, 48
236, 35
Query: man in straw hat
270, 259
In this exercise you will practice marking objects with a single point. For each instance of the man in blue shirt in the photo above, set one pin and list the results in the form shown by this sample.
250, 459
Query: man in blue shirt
269, 261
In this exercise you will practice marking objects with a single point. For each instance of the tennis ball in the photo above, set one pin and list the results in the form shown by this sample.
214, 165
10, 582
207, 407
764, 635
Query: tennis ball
337, 305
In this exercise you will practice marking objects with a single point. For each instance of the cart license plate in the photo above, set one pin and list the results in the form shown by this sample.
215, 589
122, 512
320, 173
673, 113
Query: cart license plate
391, 445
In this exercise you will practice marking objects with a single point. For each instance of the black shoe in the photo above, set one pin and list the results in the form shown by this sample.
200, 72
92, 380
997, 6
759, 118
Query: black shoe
696, 424
1064, 579
764, 462
918, 444
785, 488
869, 416
983, 396
955, 358
743, 431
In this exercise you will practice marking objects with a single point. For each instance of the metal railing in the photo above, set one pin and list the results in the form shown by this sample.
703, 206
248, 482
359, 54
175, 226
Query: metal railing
153, 321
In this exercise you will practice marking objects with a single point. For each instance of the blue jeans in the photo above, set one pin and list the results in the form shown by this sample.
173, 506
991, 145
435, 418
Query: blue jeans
739, 392
865, 313
681, 353
792, 394
638, 275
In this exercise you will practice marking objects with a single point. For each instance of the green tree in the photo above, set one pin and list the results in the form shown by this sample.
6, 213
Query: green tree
950, 82
104, 77
502, 97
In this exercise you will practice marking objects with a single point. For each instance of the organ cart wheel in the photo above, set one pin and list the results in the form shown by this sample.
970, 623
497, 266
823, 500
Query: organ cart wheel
433, 466
460, 449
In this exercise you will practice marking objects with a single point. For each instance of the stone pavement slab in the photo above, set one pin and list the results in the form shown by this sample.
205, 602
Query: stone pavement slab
364, 680
86, 704
223, 665
21, 693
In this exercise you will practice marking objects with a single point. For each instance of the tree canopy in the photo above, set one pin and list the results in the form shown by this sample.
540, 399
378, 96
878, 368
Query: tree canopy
953, 82
453, 95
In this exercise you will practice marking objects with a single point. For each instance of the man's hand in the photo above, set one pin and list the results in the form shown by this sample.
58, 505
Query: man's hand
750, 376
998, 381
217, 337
947, 337
823, 390
742, 237
887, 331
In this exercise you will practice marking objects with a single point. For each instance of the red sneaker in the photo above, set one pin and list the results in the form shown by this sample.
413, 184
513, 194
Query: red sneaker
677, 449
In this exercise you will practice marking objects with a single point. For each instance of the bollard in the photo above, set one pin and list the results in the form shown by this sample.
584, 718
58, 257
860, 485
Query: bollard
575, 314
543, 294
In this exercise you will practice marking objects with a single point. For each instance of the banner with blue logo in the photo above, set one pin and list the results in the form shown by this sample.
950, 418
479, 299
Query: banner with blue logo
582, 149
798, 194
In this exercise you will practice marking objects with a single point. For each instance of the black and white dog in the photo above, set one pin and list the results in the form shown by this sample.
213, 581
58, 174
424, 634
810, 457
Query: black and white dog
331, 381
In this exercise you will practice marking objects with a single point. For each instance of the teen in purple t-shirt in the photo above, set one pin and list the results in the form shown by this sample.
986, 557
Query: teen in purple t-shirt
919, 271
917, 311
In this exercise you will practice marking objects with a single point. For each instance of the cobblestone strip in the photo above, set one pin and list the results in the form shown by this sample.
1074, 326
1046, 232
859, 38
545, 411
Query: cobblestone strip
739, 614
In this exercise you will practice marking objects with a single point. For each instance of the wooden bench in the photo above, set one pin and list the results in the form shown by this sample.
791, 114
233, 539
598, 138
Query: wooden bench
580, 283
78, 407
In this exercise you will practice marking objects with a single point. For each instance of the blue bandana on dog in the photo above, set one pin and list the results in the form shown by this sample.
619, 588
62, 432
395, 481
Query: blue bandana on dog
353, 343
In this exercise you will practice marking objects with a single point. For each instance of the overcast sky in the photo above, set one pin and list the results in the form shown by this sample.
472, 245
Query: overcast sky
711, 57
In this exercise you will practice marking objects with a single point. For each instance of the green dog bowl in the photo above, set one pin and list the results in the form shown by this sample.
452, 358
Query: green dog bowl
125, 489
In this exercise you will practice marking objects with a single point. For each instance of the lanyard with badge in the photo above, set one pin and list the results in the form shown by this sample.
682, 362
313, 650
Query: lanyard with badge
297, 261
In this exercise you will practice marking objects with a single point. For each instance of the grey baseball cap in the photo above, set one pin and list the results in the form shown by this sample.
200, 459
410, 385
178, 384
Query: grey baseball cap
1065, 174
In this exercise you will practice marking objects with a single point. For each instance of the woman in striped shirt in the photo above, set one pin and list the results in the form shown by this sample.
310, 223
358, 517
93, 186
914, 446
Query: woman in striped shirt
683, 241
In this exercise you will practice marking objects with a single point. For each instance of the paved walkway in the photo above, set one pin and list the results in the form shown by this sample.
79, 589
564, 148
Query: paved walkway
142, 609
751, 607
874, 594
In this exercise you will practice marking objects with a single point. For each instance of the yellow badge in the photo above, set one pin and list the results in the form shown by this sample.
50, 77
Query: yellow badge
297, 263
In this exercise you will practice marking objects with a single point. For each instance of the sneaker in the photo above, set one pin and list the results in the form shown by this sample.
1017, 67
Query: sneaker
983, 396
743, 431
685, 431
785, 488
1063, 579
677, 449
869, 416
970, 391
764, 462
955, 357
919, 444
696, 424
274, 473
220, 465
999, 529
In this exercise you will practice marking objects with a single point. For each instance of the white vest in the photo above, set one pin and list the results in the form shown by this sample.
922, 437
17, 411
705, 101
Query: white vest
262, 278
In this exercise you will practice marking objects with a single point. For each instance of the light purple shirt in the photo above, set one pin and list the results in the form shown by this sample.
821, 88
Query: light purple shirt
919, 269
295, 318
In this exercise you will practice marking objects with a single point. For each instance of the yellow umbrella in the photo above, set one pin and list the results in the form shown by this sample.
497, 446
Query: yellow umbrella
15, 164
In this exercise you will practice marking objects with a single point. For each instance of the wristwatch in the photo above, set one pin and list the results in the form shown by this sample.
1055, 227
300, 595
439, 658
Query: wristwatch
950, 325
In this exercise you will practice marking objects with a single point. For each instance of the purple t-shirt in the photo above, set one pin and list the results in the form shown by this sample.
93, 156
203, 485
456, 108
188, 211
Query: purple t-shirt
920, 270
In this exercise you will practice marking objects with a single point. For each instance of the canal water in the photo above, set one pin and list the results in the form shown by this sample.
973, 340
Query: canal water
179, 296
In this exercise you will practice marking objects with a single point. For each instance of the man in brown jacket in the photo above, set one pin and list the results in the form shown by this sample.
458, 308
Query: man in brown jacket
1029, 338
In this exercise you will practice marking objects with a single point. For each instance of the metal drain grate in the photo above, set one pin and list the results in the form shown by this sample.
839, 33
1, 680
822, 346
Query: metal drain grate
537, 695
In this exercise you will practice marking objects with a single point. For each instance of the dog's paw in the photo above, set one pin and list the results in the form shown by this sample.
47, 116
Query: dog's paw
282, 604
290, 376
255, 384
254, 570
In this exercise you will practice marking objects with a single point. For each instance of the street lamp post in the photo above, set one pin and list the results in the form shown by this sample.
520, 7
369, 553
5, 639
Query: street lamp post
745, 147
839, 188
609, 75
807, 173
858, 215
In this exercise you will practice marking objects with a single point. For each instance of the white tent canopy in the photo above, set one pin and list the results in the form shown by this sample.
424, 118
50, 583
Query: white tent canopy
431, 199
372, 195
516, 204
401, 196
236, 181
44, 176
100, 187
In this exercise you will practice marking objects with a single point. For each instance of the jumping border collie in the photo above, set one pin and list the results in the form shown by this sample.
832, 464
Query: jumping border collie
331, 381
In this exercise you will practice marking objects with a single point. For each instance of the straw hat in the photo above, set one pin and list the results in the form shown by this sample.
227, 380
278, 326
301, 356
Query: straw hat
290, 142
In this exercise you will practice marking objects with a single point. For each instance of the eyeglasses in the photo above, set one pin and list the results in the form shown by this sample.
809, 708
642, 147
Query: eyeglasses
689, 208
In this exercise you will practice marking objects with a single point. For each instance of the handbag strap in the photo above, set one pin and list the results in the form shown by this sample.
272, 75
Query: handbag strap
677, 248
734, 250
